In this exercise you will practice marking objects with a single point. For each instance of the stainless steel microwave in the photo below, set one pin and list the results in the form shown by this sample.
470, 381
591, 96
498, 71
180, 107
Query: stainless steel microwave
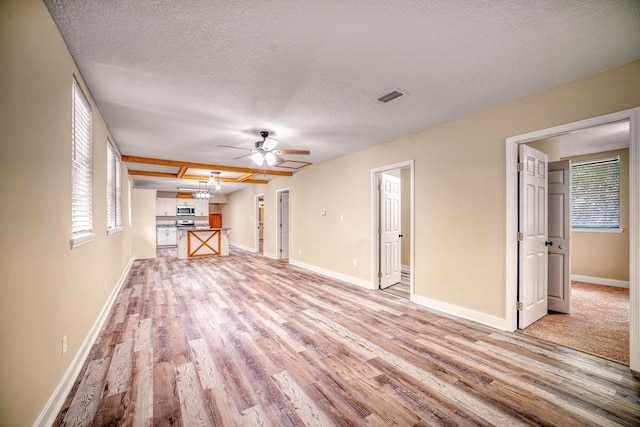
185, 210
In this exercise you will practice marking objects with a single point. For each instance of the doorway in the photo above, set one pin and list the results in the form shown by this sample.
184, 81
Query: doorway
392, 229
259, 224
587, 305
512, 143
282, 196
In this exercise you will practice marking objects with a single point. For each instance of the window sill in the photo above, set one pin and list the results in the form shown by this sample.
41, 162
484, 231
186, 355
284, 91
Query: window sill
598, 230
111, 231
82, 239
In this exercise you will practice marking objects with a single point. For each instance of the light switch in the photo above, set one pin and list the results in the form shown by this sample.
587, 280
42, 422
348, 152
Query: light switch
323, 212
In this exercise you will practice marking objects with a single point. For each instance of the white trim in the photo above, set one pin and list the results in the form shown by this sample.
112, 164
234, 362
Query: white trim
633, 116
53, 406
465, 313
597, 230
111, 231
243, 247
82, 239
332, 274
594, 161
600, 281
406, 269
409, 164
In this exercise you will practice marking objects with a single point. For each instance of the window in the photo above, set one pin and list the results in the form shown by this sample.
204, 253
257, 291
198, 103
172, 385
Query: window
595, 194
114, 191
81, 170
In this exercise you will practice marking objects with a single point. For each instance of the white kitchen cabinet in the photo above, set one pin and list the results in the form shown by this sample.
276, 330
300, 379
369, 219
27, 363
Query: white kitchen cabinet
202, 207
165, 206
167, 236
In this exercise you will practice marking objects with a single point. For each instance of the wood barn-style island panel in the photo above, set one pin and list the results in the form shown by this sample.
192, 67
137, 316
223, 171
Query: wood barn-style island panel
199, 242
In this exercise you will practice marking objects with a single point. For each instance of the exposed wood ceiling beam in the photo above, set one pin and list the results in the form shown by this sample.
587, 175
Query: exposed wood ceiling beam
223, 179
245, 177
194, 177
179, 164
182, 171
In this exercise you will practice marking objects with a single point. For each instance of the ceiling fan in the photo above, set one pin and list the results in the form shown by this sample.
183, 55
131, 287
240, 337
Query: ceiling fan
265, 151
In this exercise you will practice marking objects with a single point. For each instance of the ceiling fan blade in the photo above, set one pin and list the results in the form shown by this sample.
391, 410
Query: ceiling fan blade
237, 148
243, 156
300, 152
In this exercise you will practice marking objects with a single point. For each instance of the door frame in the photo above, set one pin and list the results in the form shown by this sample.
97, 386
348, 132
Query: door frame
256, 222
279, 219
633, 116
375, 219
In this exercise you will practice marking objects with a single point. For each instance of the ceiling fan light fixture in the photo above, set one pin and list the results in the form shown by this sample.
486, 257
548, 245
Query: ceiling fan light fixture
270, 158
258, 158
269, 143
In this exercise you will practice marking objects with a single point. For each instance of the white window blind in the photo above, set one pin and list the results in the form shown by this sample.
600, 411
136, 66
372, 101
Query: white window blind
81, 169
114, 191
595, 194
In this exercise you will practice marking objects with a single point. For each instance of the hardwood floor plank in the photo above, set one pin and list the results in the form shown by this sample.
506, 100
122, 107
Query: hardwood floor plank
245, 340
119, 373
193, 407
86, 399
141, 411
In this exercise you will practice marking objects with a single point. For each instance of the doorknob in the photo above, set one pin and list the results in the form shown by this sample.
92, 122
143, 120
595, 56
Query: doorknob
548, 243
400, 235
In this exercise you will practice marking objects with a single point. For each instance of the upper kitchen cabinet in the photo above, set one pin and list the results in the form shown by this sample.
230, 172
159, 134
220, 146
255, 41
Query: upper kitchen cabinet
165, 207
202, 207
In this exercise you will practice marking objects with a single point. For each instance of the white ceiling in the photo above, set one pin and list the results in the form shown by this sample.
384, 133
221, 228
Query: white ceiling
175, 79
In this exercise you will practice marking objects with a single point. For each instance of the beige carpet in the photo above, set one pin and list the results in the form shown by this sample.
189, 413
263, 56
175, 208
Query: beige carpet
598, 323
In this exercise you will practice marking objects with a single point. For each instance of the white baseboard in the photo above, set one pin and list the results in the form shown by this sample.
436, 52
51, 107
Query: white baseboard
406, 269
53, 406
239, 246
465, 313
600, 281
333, 274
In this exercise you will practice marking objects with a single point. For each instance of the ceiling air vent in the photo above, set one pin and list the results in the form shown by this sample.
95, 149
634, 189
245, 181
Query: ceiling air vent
390, 96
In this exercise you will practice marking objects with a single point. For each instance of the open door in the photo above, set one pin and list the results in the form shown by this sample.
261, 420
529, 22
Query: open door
390, 231
559, 236
532, 236
283, 217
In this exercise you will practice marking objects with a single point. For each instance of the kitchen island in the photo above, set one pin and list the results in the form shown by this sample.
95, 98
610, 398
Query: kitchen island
200, 242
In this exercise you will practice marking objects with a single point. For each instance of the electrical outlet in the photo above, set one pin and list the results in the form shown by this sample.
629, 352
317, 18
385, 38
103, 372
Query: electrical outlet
299, 251
341, 218
355, 262
64, 344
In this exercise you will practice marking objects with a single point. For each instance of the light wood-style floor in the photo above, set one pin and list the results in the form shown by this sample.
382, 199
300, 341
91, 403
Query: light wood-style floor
243, 340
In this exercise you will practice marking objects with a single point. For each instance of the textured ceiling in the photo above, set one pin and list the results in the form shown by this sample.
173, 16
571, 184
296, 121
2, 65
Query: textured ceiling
175, 79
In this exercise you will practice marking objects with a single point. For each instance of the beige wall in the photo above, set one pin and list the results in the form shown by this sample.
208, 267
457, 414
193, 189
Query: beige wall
460, 203
143, 203
47, 290
605, 255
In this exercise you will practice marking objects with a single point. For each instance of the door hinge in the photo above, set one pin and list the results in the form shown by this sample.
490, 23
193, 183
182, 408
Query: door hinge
520, 237
519, 306
520, 167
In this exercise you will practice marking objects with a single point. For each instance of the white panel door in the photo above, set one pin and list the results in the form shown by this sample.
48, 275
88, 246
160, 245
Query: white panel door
284, 225
559, 236
389, 230
533, 261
